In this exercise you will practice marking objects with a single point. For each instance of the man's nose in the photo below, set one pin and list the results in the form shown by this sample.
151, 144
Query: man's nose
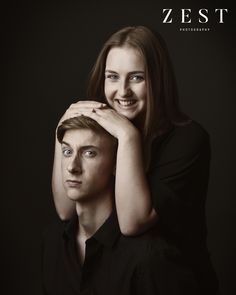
75, 165
124, 89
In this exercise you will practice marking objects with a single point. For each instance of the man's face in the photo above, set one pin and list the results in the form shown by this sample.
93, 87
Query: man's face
88, 163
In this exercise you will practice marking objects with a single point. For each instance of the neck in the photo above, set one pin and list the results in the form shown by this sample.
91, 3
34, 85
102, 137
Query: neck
93, 214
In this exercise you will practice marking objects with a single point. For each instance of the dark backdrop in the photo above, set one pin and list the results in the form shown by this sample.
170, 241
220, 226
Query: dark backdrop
48, 50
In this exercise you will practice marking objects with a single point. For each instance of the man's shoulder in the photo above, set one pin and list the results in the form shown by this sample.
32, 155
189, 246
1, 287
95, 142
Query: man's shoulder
53, 231
148, 246
52, 244
161, 268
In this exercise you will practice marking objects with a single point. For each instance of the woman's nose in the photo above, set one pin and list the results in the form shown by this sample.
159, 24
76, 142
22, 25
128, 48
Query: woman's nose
75, 166
124, 89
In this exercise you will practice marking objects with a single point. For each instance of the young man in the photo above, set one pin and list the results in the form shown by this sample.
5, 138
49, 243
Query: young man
88, 254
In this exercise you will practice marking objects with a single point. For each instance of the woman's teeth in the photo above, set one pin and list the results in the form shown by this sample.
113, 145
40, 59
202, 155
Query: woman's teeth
126, 102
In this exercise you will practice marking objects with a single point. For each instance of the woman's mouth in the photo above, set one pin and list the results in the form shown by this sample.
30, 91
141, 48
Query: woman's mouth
126, 102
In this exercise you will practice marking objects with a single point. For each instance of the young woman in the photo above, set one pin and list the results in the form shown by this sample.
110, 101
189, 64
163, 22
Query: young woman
163, 157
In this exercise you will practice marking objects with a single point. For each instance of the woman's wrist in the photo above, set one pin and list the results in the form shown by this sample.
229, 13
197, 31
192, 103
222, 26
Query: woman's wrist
129, 135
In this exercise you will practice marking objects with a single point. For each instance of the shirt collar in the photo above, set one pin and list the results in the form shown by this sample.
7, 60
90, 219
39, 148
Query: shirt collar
106, 234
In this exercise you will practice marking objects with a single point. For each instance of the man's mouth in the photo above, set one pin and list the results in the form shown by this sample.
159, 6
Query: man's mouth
73, 183
126, 102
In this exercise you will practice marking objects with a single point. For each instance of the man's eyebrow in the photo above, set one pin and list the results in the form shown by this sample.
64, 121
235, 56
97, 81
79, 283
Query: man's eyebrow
84, 147
132, 72
64, 142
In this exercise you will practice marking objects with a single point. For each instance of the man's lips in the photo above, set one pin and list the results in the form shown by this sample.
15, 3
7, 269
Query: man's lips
73, 183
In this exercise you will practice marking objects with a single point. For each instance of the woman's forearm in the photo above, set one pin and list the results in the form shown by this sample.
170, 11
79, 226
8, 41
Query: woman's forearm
64, 206
133, 201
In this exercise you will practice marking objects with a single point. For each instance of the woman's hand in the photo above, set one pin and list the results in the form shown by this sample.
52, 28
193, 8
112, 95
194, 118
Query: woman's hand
114, 123
75, 109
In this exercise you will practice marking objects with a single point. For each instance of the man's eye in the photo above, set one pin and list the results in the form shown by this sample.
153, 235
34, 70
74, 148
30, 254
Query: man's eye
90, 154
67, 152
112, 77
137, 78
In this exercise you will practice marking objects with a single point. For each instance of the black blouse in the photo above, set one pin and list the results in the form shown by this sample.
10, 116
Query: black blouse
178, 180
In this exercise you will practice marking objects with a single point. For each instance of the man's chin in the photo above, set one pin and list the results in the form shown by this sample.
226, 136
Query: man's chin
74, 196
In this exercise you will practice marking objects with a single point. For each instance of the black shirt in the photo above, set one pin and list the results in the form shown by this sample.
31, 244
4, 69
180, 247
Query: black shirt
178, 179
114, 264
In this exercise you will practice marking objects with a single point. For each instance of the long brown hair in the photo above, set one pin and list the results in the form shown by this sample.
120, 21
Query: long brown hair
162, 108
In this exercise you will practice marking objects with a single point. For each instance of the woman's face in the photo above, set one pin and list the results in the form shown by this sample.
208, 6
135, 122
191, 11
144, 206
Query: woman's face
125, 84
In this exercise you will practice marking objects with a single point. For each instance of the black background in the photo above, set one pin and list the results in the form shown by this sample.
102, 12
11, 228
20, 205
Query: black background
48, 51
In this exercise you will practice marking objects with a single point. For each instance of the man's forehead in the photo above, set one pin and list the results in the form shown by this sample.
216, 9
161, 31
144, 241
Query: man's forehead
82, 137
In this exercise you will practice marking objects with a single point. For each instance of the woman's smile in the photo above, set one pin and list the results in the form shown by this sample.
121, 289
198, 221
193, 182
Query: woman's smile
127, 103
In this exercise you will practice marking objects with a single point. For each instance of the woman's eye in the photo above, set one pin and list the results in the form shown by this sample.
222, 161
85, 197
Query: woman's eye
67, 152
90, 154
137, 78
112, 77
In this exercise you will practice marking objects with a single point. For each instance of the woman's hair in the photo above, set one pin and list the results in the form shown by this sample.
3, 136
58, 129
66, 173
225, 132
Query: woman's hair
162, 108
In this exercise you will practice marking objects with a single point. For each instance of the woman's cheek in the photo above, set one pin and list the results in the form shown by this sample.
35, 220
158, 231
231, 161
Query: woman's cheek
109, 93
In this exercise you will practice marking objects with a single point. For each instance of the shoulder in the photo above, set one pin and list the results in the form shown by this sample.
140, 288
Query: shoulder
153, 255
52, 245
192, 128
149, 246
53, 232
158, 249
184, 141
191, 136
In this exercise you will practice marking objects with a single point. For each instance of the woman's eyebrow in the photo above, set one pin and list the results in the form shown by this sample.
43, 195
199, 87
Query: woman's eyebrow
132, 72
110, 71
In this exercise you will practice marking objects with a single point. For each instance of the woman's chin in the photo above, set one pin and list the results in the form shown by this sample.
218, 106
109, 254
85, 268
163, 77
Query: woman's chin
130, 114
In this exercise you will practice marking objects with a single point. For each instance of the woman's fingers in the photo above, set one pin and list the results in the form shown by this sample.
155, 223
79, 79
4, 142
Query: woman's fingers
78, 106
110, 114
109, 119
81, 106
88, 104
